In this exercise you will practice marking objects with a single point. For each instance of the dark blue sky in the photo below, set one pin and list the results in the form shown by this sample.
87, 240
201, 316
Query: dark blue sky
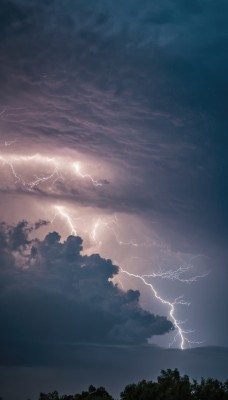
137, 92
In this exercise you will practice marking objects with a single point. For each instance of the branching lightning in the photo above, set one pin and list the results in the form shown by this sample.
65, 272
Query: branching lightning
53, 166
60, 211
177, 275
172, 275
109, 224
11, 161
171, 305
77, 167
50, 163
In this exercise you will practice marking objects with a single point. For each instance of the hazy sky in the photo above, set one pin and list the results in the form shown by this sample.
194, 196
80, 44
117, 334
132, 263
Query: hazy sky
113, 156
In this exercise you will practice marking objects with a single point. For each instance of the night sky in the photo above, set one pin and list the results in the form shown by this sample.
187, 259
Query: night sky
113, 163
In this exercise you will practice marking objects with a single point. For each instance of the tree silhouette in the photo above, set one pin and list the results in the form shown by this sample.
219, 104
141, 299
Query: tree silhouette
170, 385
210, 389
142, 391
49, 396
92, 394
174, 387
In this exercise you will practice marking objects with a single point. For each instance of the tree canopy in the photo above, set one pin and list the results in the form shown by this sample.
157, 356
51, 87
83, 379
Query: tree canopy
92, 394
170, 385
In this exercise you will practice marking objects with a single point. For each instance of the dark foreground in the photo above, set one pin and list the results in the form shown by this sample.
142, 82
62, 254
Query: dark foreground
170, 385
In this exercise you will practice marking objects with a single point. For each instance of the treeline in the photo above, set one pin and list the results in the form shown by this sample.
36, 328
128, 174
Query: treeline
170, 385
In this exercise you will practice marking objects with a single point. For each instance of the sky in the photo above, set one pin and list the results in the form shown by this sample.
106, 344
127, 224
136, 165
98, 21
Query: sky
113, 192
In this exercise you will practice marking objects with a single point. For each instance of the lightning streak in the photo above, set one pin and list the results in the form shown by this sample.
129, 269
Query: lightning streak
63, 213
109, 225
176, 275
172, 275
77, 168
18, 178
60, 211
54, 175
171, 305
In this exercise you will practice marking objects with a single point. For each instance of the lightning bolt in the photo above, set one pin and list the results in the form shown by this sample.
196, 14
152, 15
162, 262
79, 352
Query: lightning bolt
54, 175
178, 274
77, 167
181, 334
63, 213
18, 178
109, 225
163, 301
172, 275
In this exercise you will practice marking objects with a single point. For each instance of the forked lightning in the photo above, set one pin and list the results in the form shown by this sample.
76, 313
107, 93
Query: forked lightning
170, 275
54, 167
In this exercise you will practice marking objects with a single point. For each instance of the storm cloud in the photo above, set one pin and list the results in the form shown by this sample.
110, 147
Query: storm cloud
136, 92
51, 293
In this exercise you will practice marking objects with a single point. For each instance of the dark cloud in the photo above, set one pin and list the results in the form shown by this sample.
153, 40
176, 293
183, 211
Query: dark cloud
12, 17
52, 294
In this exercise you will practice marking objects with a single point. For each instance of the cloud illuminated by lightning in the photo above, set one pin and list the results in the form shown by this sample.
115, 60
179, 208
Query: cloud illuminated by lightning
177, 275
53, 167
60, 211
10, 161
77, 167
172, 275
171, 305
8, 143
110, 224
181, 333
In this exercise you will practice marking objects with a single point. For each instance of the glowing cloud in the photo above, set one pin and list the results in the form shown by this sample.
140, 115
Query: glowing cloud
51, 169
172, 275
77, 167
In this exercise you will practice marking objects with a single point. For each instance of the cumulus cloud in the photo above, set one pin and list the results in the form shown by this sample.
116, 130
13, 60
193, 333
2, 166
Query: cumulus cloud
51, 293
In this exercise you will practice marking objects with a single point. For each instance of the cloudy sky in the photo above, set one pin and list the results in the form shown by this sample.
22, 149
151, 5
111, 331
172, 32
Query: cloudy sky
113, 192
